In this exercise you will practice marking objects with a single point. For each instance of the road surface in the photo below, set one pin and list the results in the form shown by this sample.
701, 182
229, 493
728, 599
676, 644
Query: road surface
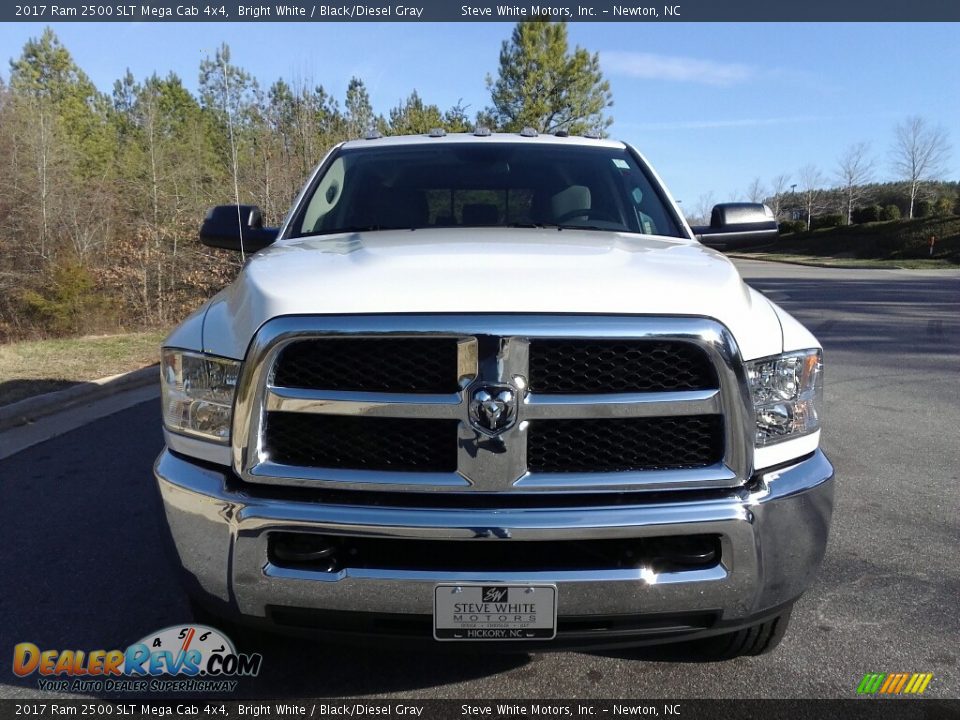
82, 566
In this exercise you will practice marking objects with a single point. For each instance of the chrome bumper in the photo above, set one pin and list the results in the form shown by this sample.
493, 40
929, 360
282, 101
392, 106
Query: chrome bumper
773, 536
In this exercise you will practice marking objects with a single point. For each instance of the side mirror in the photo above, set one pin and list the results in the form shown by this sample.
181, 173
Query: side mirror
738, 225
226, 225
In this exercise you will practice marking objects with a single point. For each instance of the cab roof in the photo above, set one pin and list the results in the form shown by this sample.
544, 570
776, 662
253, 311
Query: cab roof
480, 139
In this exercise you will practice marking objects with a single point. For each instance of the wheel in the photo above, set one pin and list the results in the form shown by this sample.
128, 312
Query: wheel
754, 640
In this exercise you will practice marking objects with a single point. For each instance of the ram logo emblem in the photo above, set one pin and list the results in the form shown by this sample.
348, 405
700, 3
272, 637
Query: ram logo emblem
493, 408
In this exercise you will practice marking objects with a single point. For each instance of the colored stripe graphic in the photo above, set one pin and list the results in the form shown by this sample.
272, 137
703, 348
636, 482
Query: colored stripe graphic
889, 683
894, 683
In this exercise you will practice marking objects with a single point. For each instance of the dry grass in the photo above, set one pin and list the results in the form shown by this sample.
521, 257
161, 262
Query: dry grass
849, 262
33, 367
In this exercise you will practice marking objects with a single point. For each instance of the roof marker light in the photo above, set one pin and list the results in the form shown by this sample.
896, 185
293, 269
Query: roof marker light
481, 131
528, 132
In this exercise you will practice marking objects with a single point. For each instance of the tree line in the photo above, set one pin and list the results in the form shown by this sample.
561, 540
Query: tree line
917, 157
101, 193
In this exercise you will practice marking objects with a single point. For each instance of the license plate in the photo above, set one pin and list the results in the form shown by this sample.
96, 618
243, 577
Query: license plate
494, 612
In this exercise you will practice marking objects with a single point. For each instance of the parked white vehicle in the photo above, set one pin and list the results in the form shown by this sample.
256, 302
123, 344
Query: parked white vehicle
492, 387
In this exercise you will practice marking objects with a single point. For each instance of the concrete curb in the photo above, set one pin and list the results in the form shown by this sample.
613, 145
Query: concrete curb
802, 263
33, 408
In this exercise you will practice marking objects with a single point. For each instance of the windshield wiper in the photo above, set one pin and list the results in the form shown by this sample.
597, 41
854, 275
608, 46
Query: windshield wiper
356, 229
544, 226
581, 227
339, 231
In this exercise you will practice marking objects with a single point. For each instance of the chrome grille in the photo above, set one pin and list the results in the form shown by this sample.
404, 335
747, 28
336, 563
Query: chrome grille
643, 403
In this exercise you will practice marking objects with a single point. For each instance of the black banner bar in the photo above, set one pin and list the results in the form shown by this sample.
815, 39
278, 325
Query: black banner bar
485, 11
394, 709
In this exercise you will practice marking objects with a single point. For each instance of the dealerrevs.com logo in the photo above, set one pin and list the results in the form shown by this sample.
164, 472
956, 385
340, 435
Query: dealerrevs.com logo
180, 658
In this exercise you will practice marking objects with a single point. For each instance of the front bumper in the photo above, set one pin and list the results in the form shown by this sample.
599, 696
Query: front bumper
773, 534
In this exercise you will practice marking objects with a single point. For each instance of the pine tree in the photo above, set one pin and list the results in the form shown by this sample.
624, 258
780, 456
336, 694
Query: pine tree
541, 84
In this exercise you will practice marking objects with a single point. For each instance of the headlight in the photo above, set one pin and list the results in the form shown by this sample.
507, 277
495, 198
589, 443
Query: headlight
787, 393
197, 393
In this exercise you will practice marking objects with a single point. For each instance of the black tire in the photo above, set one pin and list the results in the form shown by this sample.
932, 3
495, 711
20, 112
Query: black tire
754, 640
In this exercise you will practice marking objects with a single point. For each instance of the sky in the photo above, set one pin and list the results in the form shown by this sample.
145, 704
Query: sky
712, 106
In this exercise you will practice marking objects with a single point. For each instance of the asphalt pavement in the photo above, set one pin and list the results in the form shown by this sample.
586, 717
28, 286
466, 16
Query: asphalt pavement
83, 568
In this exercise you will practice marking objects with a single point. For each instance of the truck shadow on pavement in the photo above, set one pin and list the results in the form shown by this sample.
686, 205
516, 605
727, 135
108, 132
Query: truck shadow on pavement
85, 568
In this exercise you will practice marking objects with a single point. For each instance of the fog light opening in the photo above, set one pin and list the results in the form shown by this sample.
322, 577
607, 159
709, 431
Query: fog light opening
684, 551
316, 551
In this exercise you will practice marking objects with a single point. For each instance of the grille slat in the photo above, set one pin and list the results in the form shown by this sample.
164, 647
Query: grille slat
411, 365
607, 366
623, 445
361, 443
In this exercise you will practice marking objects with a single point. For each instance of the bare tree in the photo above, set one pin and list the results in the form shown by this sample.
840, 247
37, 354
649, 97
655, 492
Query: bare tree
756, 192
811, 189
703, 209
920, 152
854, 170
778, 188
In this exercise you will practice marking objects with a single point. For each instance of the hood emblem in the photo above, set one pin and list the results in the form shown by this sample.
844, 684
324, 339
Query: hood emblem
493, 408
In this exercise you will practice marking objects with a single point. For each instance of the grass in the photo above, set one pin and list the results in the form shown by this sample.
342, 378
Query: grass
844, 262
39, 366
901, 244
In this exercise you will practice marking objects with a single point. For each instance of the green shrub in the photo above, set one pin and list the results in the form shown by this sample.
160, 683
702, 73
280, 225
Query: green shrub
68, 303
922, 208
891, 212
870, 213
944, 206
792, 226
888, 240
826, 221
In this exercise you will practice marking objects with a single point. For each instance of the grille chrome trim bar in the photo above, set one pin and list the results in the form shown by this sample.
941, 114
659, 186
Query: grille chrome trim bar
493, 464
537, 406
678, 479
340, 402
272, 473
622, 405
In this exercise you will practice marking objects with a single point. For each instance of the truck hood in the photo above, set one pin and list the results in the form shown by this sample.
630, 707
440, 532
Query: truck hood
486, 270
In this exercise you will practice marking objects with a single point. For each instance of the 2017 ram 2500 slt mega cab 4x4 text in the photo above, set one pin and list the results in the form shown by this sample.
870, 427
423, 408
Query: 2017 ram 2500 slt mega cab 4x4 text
492, 387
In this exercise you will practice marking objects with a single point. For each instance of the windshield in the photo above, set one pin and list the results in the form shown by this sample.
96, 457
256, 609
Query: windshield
475, 185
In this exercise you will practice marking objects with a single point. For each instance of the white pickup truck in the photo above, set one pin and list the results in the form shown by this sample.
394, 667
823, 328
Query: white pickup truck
492, 387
